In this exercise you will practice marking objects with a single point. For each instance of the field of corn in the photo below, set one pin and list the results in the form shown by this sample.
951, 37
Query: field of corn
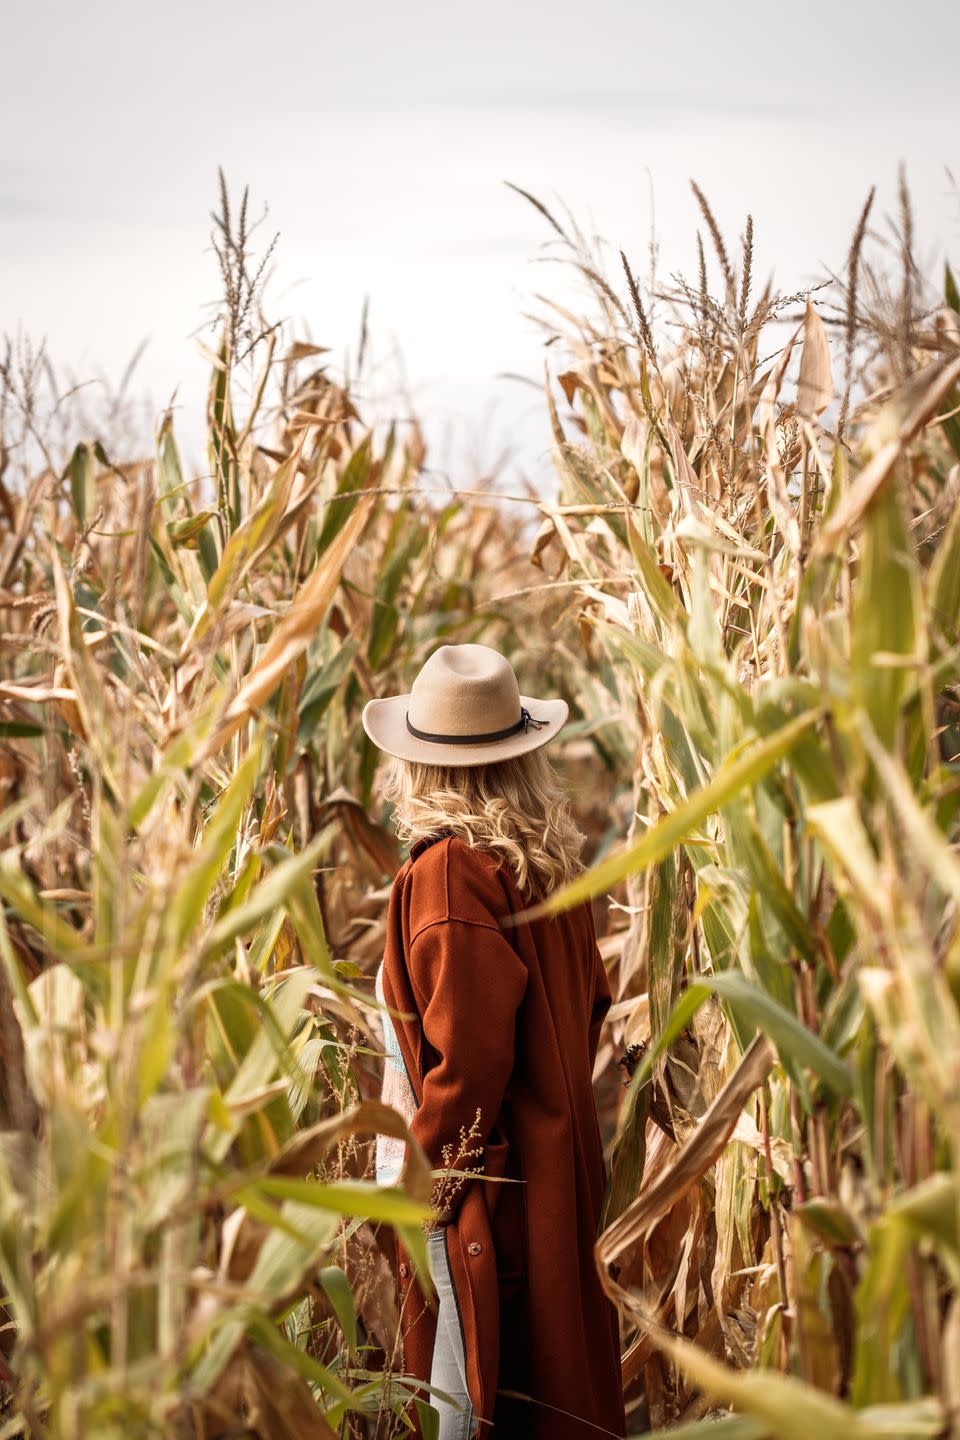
746, 582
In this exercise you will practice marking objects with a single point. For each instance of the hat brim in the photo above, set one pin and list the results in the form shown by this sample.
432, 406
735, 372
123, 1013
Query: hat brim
385, 722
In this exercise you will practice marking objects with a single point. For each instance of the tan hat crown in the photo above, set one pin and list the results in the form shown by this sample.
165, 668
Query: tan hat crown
464, 690
464, 708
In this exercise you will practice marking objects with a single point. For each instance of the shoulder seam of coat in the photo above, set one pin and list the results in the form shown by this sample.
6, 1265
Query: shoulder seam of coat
456, 920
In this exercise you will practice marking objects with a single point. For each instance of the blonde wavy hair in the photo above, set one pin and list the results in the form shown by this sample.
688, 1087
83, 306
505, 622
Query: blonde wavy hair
516, 808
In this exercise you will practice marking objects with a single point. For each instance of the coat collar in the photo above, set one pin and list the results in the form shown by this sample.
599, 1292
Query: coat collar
425, 841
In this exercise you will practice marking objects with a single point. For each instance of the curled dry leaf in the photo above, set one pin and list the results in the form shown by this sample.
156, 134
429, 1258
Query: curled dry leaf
542, 540
694, 1158
815, 385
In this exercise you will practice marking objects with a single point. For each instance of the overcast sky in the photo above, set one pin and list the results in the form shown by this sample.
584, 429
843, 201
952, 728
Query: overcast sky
379, 135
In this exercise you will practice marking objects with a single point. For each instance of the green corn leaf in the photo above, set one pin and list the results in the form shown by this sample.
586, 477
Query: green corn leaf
170, 486
385, 1204
943, 581
248, 540
273, 890
83, 485
886, 640
356, 477
219, 839
743, 767
950, 291
755, 1008
336, 1287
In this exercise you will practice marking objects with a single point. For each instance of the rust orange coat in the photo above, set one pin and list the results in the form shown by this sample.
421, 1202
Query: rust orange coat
507, 1019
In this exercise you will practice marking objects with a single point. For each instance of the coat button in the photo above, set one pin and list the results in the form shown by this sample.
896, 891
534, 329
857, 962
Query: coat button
474, 1247
403, 1269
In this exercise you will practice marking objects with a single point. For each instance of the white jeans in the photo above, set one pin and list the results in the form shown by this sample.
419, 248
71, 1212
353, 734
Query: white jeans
449, 1369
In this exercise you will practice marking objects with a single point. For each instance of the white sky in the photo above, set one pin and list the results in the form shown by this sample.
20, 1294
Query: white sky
380, 135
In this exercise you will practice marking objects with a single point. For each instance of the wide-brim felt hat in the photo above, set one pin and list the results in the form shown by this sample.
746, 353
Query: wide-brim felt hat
464, 708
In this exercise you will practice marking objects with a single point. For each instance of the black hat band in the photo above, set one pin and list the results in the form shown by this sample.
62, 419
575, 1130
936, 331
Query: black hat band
525, 721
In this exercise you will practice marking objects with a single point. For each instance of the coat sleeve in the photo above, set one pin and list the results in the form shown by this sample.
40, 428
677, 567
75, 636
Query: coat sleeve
470, 981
